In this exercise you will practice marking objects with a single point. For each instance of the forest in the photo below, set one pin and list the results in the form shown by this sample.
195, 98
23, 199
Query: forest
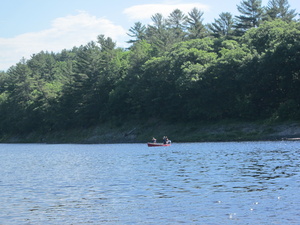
244, 67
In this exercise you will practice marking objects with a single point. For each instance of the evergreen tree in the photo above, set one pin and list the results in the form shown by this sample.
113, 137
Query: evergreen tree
279, 9
158, 35
106, 44
138, 31
196, 28
251, 15
222, 27
177, 22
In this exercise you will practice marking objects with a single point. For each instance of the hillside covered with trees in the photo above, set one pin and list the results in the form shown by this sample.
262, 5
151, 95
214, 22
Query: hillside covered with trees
244, 67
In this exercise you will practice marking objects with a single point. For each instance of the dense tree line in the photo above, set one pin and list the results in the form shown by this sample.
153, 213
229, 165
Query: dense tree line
177, 69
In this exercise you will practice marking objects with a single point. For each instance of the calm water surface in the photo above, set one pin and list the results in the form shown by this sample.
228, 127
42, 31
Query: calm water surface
194, 183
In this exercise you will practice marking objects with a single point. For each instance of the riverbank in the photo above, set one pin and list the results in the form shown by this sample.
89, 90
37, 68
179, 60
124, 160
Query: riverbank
177, 132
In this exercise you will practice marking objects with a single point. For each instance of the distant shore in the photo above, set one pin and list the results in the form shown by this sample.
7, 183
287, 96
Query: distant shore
177, 132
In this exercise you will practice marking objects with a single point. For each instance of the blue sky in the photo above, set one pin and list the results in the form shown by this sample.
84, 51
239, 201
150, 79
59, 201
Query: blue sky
30, 26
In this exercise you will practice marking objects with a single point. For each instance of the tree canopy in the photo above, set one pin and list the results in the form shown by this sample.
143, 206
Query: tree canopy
177, 69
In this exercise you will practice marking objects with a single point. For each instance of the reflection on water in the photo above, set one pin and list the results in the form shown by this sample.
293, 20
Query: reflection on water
192, 183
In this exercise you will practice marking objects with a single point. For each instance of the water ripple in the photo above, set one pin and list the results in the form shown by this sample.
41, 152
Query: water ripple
192, 183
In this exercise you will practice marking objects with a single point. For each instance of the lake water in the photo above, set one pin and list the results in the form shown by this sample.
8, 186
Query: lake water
187, 183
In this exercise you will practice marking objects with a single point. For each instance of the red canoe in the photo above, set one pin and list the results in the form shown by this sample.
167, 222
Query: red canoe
157, 144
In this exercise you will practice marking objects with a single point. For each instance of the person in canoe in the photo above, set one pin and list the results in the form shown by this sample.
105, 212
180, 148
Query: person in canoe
153, 140
166, 140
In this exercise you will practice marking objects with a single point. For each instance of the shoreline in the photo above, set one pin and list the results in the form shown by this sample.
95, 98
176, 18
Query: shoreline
177, 132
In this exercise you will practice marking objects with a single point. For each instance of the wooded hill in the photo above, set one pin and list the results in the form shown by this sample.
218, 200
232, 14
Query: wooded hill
244, 67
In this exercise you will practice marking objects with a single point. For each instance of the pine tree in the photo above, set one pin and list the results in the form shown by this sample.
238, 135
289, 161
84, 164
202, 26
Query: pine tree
280, 9
158, 35
177, 22
138, 31
251, 15
222, 27
196, 28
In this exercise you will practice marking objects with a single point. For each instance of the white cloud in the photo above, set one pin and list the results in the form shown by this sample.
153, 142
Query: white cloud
144, 12
64, 33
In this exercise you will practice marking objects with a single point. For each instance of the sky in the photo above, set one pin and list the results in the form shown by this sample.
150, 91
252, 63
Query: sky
28, 27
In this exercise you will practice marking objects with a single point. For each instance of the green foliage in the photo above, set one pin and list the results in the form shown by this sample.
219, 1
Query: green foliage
172, 71
269, 35
289, 110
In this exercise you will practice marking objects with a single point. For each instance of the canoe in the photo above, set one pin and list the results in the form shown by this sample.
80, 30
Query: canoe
157, 144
